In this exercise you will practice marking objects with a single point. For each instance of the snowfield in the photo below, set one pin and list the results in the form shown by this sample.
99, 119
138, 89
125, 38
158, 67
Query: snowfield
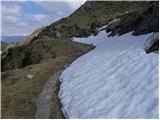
115, 80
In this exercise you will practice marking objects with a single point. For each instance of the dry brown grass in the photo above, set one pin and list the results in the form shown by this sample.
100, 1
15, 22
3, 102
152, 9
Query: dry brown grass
19, 93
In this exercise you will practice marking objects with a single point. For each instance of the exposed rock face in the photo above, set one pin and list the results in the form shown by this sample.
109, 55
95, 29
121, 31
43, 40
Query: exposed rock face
140, 20
149, 21
154, 47
152, 43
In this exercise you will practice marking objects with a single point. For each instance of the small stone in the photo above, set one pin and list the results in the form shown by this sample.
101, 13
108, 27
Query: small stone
29, 76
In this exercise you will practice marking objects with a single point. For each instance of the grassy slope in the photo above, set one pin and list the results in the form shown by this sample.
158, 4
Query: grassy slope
19, 93
96, 14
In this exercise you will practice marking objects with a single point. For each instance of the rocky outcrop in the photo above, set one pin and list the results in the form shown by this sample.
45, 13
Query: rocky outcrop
152, 43
140, 20
154, 47
33, 35
149, 21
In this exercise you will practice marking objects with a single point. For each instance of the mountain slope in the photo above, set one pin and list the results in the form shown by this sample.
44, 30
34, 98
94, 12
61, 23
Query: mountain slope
96, 14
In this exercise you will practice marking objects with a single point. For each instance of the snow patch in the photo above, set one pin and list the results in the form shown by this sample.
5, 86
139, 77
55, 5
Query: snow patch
115, 80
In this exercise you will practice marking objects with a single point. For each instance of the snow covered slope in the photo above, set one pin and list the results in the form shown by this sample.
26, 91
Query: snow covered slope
115, 80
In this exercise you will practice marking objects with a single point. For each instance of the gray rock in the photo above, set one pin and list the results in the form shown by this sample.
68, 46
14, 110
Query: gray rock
29, 76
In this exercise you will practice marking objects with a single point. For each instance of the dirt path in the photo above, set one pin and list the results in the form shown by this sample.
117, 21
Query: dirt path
46, 102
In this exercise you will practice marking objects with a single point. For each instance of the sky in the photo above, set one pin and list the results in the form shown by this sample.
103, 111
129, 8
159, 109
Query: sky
23, 17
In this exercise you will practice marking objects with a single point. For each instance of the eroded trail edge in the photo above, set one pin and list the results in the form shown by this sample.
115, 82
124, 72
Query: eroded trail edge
45, 101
